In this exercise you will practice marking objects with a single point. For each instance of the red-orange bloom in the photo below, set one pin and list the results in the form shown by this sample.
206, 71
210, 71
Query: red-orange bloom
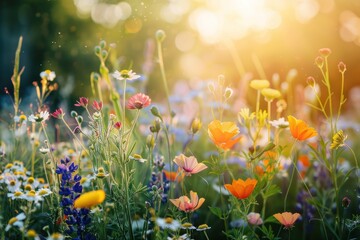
241, 189
174, 176
287, 218
223, 134
300, 130
185, 204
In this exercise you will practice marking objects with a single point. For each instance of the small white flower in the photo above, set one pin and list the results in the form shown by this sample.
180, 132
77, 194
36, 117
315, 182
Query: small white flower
125, 75
12, 184
49, 75
137, 224
280, 123
168, 223
44, 150
137, 157
41, 117
43, 192
16, 195
55, 236
34, 183
31, 196
182, 237
16, 221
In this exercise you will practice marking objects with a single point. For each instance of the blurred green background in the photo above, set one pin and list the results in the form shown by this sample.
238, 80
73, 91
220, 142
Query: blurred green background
203, 36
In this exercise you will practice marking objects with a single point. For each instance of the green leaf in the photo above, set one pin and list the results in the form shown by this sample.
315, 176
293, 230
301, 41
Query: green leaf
272, 190
216, 211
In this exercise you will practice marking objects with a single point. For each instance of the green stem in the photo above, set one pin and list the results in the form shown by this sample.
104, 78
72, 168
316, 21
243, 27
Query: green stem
163, 76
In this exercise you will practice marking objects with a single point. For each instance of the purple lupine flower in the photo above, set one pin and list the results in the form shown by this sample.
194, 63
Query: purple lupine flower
70, 189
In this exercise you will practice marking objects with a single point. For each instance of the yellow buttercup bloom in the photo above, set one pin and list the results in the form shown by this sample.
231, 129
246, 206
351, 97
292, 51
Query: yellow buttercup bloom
90, 199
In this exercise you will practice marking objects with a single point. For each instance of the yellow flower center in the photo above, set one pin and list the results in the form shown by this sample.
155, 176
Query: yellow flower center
12, 183
84, 179
31, 233
101, 170
17, 194
22, 117
41, 180
31, 193
43, 192
9, 165
56, 236
203, 226
137, 156
31, 180
12, 220
168, 220
186, 225
28, 187
125, 73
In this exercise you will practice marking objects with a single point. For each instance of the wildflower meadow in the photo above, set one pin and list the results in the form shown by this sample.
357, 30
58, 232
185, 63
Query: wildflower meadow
137, 157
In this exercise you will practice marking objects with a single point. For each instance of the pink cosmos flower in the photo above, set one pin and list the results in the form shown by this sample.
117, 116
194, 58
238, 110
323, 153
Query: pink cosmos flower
185, 204
189, 165
138, 101
83, 102
59, 113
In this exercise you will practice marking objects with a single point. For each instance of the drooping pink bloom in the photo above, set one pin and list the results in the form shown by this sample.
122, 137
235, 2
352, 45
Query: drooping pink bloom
83, 102
59, 113
138, 101
185, 204
97, 105
189, 165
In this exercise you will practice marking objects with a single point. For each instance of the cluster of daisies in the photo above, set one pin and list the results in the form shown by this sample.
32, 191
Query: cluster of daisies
19, 185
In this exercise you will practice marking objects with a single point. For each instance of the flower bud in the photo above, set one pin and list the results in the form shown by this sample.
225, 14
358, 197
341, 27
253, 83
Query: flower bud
74, 114
102, 44
254, 219
342, 67
155, 112
346, 202
79, 119
228, 93
104, 53
97, 50
160, 35
319, 61
325, 52
150, 141
117, 125
196, 125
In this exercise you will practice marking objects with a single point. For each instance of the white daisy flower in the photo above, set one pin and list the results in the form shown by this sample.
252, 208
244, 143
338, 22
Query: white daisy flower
280, 123
12, 184
16, 222
41, 117
43, 192
44, 150
125, 75
31, 196
56, 236
48, 74
34, 183
168, 223
16, 195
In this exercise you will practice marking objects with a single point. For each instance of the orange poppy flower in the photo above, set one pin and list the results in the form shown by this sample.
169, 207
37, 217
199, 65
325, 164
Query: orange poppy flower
241, 189
287, 218
185, 204
223, 134
300, 130
174, 176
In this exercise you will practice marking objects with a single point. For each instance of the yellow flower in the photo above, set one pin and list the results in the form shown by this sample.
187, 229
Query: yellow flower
223, 134
270, 94
338, 140
259, 84
300, 130
90, 199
